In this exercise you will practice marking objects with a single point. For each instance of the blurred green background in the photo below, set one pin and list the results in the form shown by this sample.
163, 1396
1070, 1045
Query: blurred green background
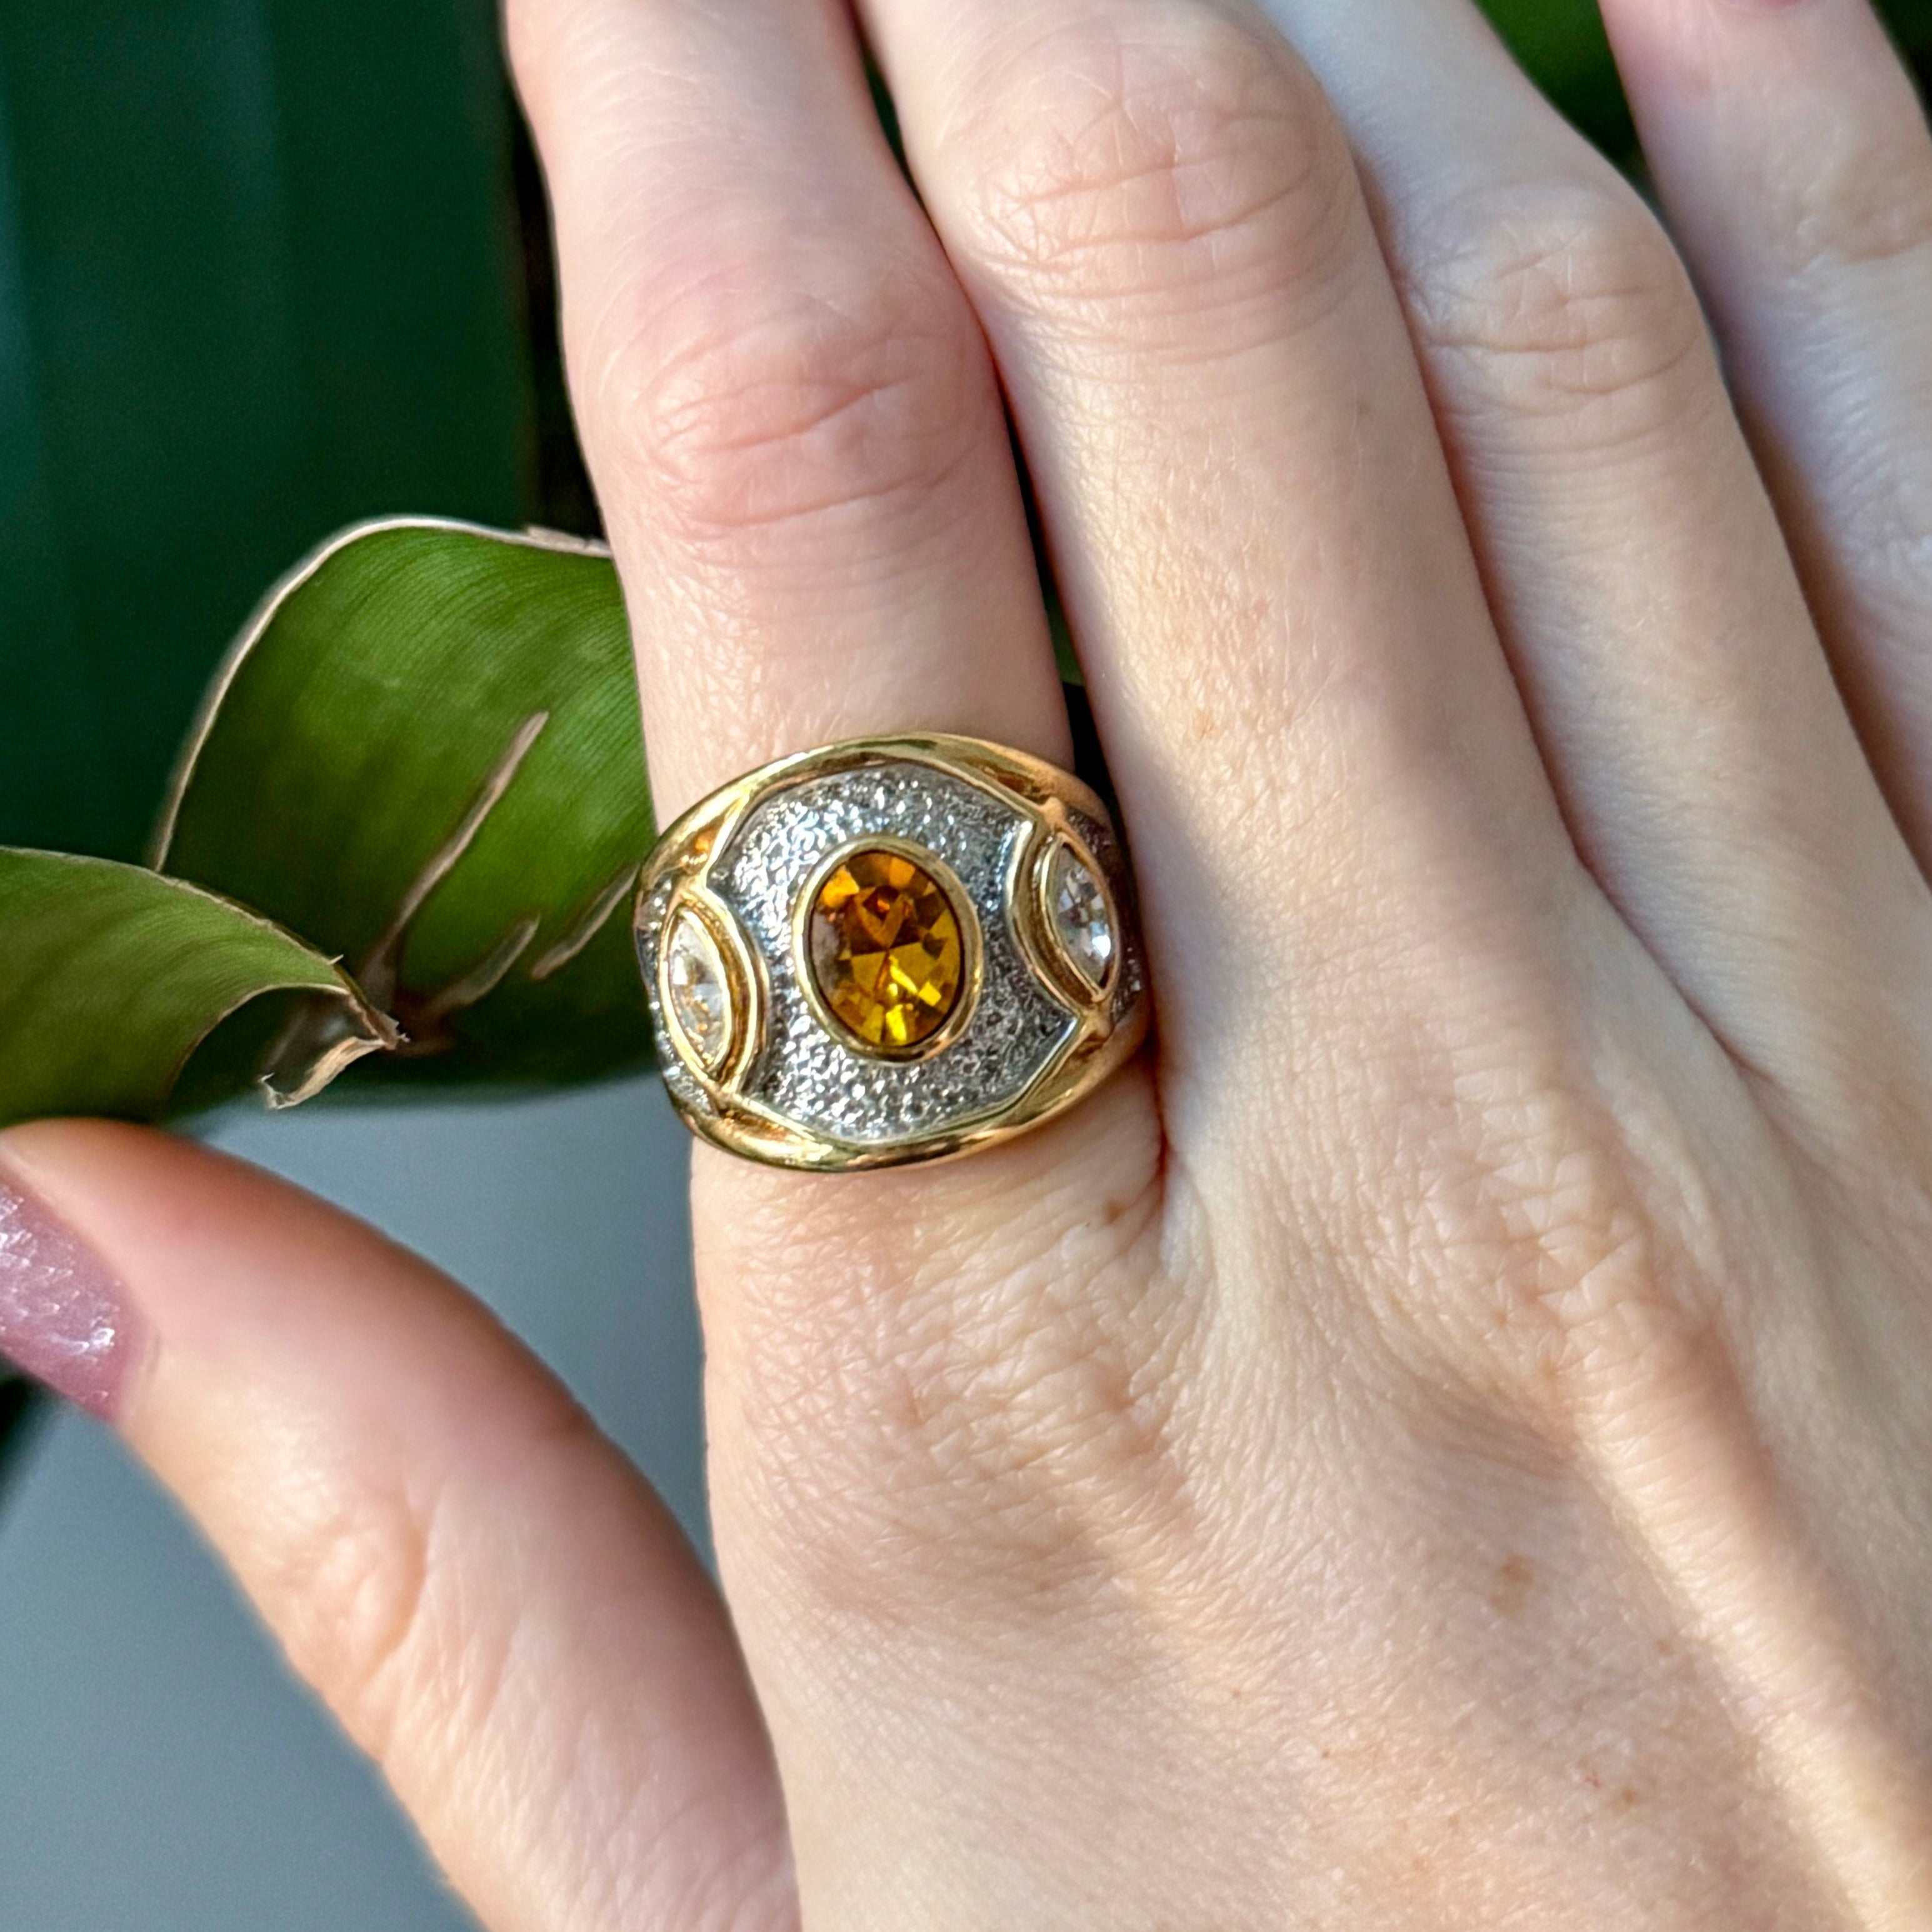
269, 265
260, 273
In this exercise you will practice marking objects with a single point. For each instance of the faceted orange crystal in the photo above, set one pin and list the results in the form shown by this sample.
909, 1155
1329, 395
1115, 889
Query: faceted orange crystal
884, 945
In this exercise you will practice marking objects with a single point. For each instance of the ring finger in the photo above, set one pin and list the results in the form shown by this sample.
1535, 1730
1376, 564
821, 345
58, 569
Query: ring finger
799, 443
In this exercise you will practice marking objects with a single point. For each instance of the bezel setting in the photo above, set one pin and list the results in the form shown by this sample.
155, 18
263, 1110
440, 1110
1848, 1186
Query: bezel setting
1029, 1031
744, 1006
971, 948
1057, 957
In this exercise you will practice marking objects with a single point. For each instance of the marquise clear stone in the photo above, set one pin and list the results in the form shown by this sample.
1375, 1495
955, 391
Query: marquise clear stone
698, 991
1082, 921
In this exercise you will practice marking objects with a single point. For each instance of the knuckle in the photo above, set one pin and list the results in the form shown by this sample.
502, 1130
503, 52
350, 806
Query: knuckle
374, 1582
358, 1580
1881, 497
806, 381
1532, 1257
1892, 554
1569, 307
1865, 199
1186, 156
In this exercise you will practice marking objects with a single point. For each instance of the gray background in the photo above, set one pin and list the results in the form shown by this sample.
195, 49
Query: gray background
159, 1770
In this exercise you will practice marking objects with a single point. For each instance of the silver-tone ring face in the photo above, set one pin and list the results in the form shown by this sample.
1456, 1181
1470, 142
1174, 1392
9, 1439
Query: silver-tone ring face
1048, 989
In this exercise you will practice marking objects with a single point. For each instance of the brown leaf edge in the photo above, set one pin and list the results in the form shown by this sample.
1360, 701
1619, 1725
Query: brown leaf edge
323, 1039
360, 1027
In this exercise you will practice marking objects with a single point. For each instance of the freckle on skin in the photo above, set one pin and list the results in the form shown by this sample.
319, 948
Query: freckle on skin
1509, 1590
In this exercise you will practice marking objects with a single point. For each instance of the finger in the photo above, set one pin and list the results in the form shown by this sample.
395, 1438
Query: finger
1792, 156
793, 423
1285, 636
479, 1585
795, 428
787, 408
1650, 610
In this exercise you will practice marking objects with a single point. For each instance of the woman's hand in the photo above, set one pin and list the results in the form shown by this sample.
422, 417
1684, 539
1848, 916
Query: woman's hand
1444, 1441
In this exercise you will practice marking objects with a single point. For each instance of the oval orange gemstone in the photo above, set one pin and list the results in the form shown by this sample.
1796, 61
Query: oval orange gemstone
884, 943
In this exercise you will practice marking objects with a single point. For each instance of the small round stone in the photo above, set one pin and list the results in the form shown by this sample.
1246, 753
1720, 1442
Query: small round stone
883, 939
1082, 923
698, 991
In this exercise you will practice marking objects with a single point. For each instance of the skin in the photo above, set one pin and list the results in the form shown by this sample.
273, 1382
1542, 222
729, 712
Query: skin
1442, 1442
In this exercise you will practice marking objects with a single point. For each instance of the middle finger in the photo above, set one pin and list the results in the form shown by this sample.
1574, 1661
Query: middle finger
1316, 741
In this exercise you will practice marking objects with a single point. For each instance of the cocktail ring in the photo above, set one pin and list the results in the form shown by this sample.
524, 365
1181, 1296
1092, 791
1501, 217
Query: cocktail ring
892, 949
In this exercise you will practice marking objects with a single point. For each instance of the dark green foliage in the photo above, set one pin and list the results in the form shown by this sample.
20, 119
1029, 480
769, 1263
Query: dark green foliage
258, 276
257, 263
111, 976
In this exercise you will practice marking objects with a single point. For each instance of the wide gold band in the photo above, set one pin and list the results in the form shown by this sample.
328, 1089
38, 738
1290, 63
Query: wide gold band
892, 949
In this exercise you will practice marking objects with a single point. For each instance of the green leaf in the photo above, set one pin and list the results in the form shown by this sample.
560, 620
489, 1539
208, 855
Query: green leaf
111, 977
424, 755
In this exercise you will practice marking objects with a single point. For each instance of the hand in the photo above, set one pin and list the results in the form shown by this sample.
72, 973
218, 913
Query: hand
1443, 1441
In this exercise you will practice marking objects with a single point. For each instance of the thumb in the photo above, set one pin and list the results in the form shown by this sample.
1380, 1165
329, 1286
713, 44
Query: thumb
487, 1595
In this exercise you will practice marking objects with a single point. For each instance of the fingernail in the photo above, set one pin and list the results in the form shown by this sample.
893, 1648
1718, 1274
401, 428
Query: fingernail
64, 1319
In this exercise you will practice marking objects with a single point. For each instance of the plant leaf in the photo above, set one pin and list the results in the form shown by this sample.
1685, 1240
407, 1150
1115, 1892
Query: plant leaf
424, 755
111, 976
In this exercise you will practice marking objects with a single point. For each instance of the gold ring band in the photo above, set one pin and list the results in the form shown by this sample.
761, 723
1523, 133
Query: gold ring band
889, 950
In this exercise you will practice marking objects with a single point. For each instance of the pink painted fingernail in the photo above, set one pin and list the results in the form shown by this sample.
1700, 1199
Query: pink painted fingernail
64, 1317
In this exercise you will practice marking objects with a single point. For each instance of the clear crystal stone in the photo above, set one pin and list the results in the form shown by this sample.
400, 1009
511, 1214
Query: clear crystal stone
698, 992
1082, 921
